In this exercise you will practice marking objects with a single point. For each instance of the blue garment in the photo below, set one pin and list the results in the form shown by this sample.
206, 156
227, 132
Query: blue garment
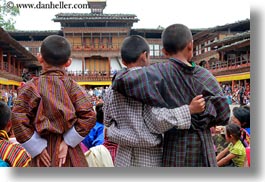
229, 99
95, 136
9, 102
248, 130
3, 163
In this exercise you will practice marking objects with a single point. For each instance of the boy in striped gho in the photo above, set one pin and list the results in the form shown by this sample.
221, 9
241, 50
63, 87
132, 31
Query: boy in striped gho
52, 113
13, 154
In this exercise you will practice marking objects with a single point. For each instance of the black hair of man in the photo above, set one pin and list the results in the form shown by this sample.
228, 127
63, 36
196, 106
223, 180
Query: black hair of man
234, 130
55, 50
5, 114
132, 47
99, 111
176, 37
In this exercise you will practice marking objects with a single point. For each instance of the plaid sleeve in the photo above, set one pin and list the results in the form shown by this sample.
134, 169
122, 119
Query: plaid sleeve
160, 120
144, 84
217, 111
218, 102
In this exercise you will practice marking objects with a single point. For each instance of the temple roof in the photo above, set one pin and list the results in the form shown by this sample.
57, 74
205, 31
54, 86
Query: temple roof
35, 32
239, 26
85, 17
8, 44
231, 38
235, 45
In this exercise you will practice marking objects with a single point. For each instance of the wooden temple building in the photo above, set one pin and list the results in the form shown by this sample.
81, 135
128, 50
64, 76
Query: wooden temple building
96, 39
225, 51
14, 58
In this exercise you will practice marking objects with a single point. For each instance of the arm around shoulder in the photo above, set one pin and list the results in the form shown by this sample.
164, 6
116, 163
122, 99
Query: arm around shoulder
159, 120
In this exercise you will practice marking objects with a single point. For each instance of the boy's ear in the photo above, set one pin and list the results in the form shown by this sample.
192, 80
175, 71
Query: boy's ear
40, 58
124, 63
8, 126
165, 52
190, 46
68, 63
145, 58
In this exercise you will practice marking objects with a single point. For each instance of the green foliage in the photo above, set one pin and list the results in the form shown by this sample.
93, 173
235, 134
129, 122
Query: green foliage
7, 13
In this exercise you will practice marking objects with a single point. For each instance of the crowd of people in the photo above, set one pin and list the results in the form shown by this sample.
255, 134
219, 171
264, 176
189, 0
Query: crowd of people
160, 115
239, 95
8, 97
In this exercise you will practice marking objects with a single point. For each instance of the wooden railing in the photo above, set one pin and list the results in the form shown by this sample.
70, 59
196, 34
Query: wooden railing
230, 64
91, 75
13, 70
96, 47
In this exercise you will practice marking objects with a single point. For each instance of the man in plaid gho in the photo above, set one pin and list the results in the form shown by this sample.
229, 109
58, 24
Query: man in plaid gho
138, 128
173, 84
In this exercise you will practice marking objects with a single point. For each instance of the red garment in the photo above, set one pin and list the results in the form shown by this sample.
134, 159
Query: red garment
248, 155
112, 147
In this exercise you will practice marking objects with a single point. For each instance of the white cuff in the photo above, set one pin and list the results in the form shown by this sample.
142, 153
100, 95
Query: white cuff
35, 145
72, 138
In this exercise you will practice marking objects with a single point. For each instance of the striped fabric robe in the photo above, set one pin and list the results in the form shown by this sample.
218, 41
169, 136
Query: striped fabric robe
14, 154
50, 106
173, 84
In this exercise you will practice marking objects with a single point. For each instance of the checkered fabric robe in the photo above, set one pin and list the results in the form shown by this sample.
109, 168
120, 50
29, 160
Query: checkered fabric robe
173, 84
137, 129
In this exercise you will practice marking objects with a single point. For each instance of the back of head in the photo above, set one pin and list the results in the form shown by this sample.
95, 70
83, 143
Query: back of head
233, 129
243, 115
132, 47
99, 111
5, 114
175, 38
55, 50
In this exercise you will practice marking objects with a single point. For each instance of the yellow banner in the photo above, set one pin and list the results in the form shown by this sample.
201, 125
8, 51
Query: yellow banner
95, 83
4, 81
240, 76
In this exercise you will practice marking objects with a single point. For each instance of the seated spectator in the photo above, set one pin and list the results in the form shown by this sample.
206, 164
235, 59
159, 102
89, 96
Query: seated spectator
235, 154
241, 117
13, 154
96, 136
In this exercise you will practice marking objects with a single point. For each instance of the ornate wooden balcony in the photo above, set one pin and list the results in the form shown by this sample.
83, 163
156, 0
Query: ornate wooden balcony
80, 76
10, 76
230, 67
96, 47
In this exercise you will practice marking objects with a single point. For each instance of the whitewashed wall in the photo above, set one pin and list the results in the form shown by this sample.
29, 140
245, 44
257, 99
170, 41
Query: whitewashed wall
76, 65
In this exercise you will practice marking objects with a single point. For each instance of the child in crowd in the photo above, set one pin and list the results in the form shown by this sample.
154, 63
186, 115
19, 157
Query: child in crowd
52, 111
11, 154
96, 136
235, 154
241, 117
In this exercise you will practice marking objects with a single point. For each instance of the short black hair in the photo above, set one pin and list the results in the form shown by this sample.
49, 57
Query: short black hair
234, 130
5, 114
132, 47
55, 50
99, 111
176, 37
243, 116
